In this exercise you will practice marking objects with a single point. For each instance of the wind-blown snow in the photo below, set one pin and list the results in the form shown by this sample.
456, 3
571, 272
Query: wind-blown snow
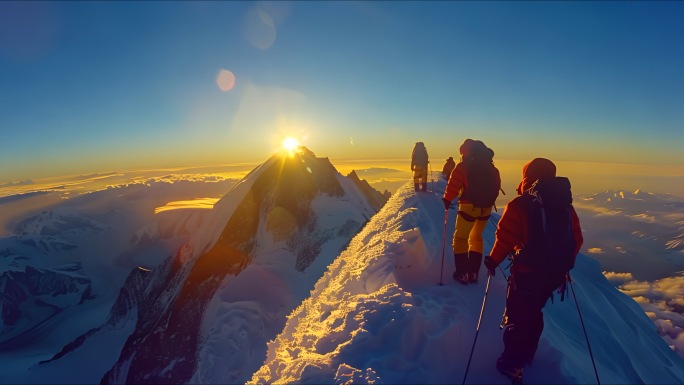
378, 316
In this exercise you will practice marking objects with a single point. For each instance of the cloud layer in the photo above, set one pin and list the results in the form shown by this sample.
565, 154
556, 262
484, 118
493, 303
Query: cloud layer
663, 302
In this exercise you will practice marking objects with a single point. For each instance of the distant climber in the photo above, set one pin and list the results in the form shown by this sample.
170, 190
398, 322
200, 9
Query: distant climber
419, 166
541, 228
448, 168
476, 182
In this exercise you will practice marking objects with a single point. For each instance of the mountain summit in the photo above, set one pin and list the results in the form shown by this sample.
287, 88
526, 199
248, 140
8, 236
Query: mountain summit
210, 308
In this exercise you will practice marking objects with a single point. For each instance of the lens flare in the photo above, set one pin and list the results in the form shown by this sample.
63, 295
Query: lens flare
225, 80
259, 28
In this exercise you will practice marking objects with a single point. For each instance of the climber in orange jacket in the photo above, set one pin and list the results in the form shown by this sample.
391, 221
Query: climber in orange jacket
476, 182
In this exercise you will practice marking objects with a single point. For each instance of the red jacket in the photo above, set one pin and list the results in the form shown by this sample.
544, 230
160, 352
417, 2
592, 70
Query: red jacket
512, 232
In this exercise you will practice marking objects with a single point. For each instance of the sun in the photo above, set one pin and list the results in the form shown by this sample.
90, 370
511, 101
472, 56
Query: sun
290, 144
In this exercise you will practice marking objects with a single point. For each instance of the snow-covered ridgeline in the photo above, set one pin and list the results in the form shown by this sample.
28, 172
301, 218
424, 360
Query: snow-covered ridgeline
378, 316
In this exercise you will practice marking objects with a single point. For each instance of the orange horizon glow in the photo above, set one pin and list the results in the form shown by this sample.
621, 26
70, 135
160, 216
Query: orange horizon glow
586, 177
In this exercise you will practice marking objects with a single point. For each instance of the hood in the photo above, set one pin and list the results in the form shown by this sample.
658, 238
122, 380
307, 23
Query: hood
477, 148
537, 168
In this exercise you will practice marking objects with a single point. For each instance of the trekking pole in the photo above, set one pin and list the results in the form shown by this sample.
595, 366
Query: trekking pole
477, 331
584, 329
441, 270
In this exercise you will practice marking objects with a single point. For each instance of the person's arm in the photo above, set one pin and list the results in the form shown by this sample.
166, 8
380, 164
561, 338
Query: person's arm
456, 182
509, 233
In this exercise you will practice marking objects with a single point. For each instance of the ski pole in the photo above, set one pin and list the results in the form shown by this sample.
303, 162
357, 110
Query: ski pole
585, 330
441, 270
477, 331
432, 185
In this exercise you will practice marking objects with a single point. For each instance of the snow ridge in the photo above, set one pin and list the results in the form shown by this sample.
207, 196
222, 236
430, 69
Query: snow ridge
378, 316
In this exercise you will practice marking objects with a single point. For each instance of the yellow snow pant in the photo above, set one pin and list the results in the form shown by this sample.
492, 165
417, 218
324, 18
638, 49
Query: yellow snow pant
470, 224
419, 175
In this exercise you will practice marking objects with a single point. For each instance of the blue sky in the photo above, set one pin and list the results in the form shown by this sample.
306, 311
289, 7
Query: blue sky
101, 86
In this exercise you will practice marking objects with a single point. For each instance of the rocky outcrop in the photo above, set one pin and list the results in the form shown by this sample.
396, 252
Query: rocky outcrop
375, 197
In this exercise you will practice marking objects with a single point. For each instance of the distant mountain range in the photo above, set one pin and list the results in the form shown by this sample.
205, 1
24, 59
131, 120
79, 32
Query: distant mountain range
638, 232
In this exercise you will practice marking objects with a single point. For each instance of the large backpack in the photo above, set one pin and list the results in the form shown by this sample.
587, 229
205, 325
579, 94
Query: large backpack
550, 246
419, 156
483, 184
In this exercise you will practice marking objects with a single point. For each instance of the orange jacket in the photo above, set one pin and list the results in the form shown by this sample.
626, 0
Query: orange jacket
512, 232
458, 182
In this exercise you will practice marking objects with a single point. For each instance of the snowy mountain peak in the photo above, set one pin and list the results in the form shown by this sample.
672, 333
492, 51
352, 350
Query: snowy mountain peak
273, 234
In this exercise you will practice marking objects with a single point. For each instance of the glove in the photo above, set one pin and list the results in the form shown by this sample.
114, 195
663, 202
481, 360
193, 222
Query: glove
447, 203
491, 265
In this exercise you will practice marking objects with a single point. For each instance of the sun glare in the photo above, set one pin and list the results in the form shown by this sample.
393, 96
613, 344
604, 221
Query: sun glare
290, 144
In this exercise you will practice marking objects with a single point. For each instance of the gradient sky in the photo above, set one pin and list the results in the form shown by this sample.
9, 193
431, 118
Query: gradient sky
100, 86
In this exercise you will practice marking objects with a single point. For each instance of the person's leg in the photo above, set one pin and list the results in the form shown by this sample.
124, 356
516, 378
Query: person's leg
476, 243
524, 321
416, 178
464, 225
534, 331
543, 285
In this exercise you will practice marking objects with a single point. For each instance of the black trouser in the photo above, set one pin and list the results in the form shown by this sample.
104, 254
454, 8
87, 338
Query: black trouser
527, 295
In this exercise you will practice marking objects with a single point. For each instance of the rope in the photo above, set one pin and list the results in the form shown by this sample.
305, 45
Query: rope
584, 330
